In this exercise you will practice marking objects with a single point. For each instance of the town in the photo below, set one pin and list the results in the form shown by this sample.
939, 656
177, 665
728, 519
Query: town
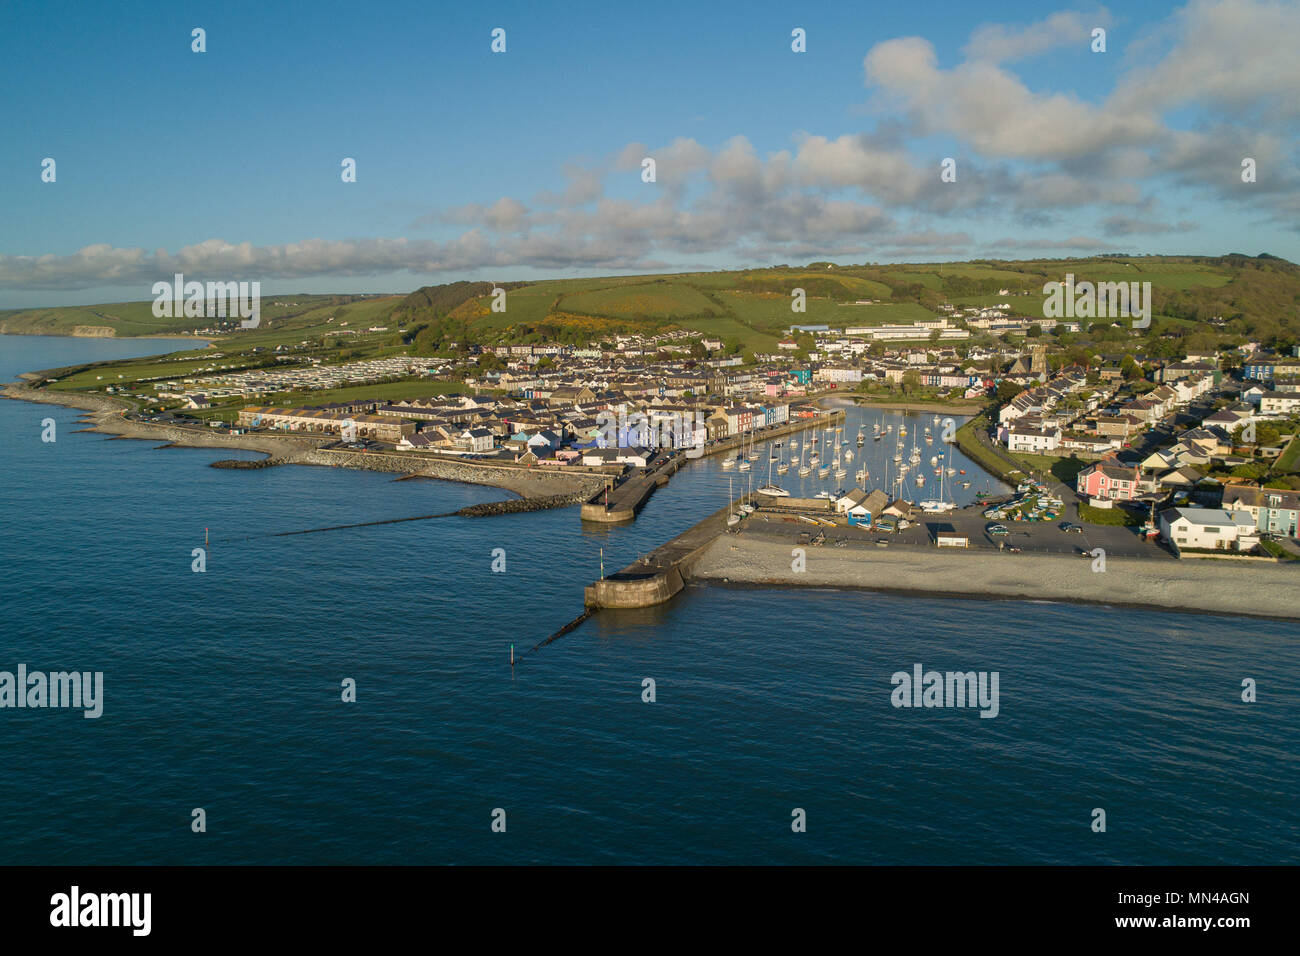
1194, 452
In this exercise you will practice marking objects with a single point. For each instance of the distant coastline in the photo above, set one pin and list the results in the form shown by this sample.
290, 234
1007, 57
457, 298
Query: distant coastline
99, 332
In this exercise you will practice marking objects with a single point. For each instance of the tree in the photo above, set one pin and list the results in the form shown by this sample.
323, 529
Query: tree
1007, 391
911, 381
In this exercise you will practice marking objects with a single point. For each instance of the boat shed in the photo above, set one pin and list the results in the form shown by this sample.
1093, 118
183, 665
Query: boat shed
946, 536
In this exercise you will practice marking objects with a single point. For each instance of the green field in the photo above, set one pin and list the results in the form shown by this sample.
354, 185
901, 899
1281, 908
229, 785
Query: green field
1115, 517
1064, 470
1256, 297
1289, 461
886, 313
649, 300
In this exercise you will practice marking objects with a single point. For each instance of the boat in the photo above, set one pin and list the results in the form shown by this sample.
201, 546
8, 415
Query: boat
965, 484
729, 463
961, 471
877, 438
745, 465
935, 419
824, 471
782, 468
929, 439
841, 471
934, 460
804, 471
897, 457
902, 430
920, 479
848, 456
950, 471
771, 489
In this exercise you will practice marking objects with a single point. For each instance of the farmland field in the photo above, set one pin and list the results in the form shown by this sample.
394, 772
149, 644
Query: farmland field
654, 300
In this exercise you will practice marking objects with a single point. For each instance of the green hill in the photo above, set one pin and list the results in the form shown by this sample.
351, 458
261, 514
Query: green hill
1211, 297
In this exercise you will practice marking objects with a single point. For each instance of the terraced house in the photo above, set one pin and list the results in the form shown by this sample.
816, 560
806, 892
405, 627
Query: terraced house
1274, 510
380, 427
1108, 481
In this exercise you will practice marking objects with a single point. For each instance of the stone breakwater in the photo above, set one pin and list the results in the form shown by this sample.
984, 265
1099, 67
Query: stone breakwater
105, 415
251, 465
527, 482
517, 505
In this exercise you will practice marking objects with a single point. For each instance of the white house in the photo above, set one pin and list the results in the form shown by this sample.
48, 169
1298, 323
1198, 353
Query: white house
1037, 440
477, 440
1208, 529
1279, 402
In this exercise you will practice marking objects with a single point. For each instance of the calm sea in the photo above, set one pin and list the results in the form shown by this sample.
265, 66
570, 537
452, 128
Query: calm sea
222, 688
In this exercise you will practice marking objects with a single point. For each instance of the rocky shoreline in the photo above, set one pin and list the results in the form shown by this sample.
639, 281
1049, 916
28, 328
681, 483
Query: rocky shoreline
105, 415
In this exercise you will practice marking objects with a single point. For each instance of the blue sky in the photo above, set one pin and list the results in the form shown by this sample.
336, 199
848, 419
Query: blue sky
526, 164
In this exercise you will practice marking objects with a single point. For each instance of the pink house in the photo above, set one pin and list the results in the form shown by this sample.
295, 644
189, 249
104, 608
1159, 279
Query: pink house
1109, 481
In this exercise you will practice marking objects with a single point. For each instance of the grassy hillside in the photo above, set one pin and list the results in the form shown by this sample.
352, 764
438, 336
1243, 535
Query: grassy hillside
1197, 300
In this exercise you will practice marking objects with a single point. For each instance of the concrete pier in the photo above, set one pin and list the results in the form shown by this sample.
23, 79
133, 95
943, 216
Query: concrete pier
621, 502
662, 573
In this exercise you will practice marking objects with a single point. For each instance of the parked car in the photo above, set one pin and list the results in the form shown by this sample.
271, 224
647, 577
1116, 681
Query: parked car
1071, 526
997, 529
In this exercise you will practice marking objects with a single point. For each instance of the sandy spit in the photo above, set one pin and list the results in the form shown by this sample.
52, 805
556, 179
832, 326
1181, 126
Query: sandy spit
1256, 589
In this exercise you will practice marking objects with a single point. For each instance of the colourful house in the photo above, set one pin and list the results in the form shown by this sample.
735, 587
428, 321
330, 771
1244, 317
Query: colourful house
1108, 481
